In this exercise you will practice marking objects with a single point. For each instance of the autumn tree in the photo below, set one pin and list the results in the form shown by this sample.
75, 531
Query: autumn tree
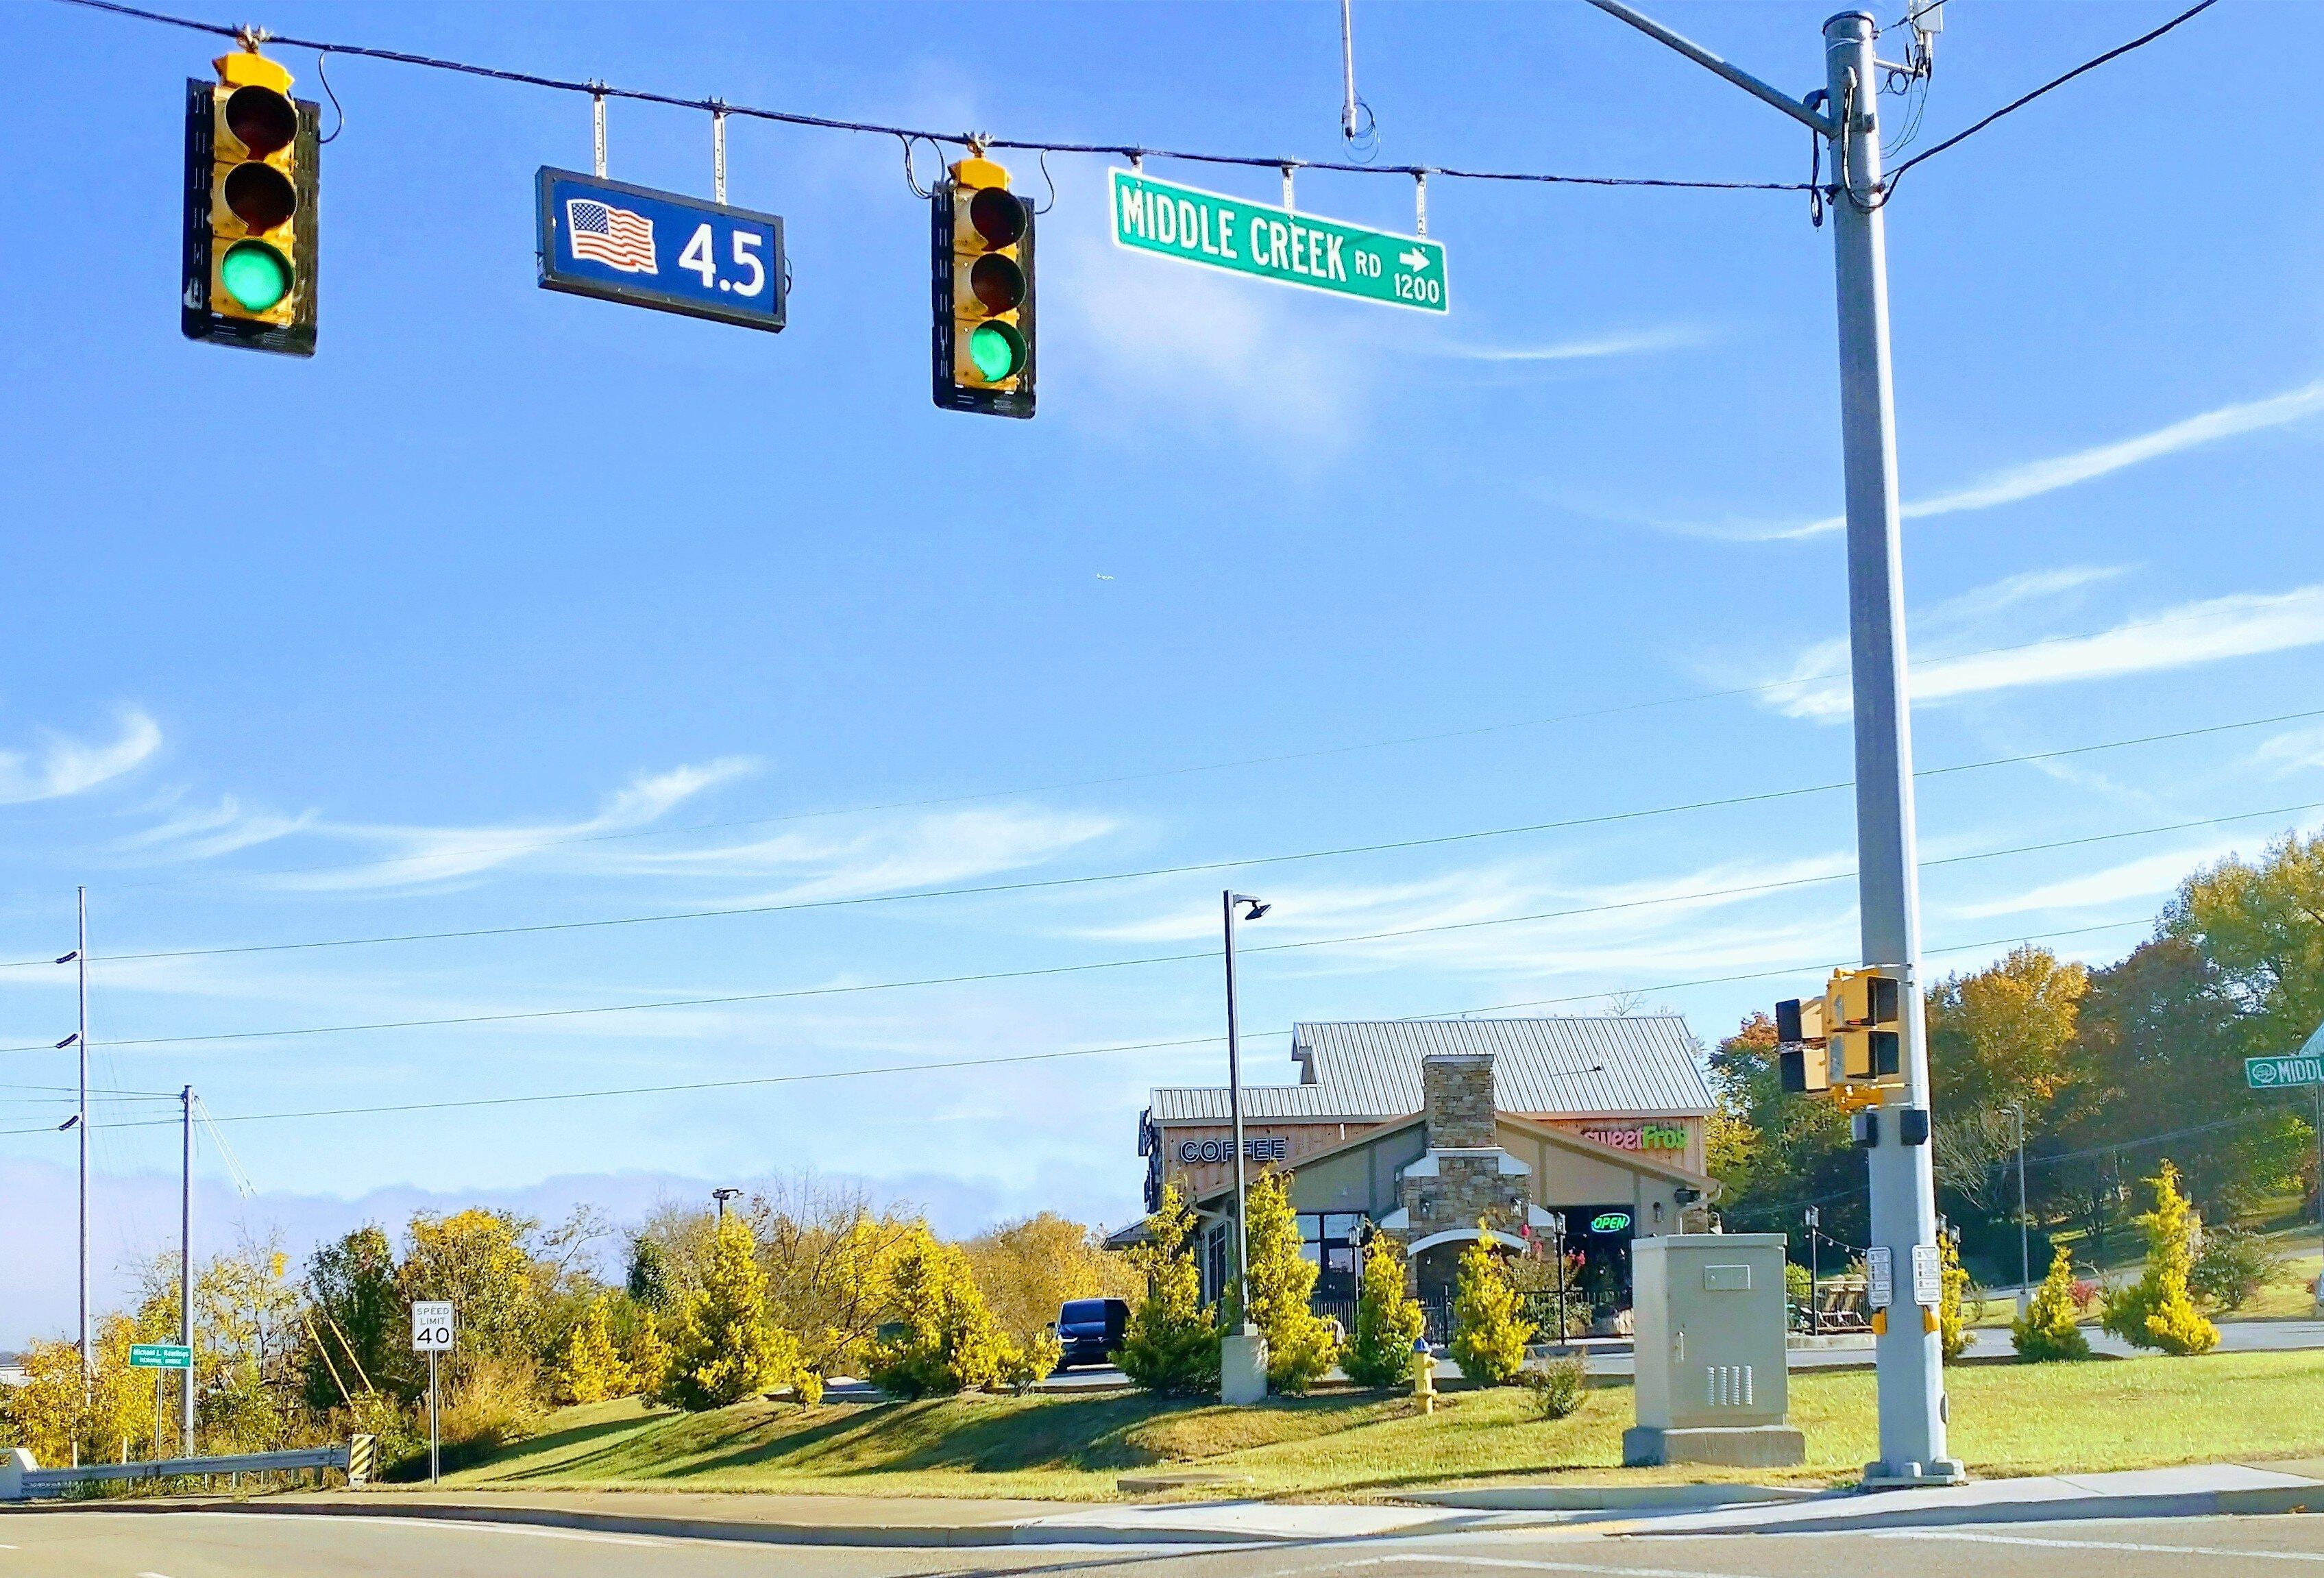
2003, 1033
2049, 1329
587, 1367
1489, 1334
1389, 1319
478, 1261
2156, 1311
359, 1316
829, 1249
724, 1346
943, 1338
1171, 1346
1281, 1280
1027, 1269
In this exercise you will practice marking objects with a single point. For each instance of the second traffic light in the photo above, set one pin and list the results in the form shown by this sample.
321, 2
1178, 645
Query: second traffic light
980, 239
1863, 1011
251, 186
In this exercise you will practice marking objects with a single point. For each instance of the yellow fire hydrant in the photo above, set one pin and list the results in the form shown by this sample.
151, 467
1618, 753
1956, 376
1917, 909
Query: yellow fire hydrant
1423, 1375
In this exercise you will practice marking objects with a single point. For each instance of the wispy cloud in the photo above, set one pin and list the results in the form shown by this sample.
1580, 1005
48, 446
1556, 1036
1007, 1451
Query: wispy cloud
1630, 343
2150, 876
2036, 477
413, 856
207, 833
2291, 752
64, 766
2241, 626
887, 855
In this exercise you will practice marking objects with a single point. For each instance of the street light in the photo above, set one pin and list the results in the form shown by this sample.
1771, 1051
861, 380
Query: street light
1557, 1231
1813, 1217
1255, 909
2024, 1252
721, 1197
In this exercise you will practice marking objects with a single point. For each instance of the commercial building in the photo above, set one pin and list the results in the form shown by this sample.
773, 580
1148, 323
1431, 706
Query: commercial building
1426, 1127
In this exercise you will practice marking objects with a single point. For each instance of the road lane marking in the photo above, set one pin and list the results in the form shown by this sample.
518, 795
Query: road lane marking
473, 1525
141, 1575
1542, 1566
2102, 1545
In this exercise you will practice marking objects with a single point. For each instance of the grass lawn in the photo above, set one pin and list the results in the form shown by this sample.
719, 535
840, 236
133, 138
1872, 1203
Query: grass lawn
2006, 1419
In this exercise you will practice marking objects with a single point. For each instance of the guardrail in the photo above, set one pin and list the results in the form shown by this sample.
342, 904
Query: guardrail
21, 1480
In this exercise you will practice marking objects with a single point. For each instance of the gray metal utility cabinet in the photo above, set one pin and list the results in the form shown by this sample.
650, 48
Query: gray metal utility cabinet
1712, 1382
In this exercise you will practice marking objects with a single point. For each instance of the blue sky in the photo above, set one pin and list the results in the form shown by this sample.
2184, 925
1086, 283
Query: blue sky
512, 607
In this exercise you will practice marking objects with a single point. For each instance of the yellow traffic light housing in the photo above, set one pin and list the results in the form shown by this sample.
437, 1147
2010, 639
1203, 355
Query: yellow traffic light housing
1846, 1044
1863, 1009
252, 159
982, 254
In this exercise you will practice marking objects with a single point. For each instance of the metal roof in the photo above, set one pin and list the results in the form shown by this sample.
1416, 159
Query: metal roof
1369, 1070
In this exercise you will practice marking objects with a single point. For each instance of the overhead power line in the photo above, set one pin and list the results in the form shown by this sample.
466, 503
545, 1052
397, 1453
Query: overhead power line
910, 135
2020, 101
534, 1098
1384, 846
1032, 972
1796, 682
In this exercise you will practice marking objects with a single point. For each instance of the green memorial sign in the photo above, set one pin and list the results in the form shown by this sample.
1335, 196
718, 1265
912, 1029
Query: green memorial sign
161, 1356
1268, 242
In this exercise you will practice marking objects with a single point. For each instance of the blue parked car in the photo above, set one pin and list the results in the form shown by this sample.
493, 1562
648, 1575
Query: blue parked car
1091, 1330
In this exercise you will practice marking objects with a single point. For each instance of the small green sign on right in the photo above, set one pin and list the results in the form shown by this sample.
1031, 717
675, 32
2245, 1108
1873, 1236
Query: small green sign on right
2268, 1074
161, 1356
1279, 244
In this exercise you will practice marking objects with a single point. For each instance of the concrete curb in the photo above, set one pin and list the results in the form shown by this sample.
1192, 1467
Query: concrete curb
2272, 1500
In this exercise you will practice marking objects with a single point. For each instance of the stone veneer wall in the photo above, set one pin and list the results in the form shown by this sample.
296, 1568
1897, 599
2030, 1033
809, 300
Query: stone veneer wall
1457, 1090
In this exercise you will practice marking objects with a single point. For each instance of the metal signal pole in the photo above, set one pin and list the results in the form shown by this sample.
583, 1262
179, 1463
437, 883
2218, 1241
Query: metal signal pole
1911, 1376
186, 1275
80, 1040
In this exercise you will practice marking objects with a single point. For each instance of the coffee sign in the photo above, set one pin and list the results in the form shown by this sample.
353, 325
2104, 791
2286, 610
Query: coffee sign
1255, 1147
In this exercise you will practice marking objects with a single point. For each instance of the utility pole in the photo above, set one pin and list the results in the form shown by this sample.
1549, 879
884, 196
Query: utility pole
80, 1040
1911, 1375
186, 1274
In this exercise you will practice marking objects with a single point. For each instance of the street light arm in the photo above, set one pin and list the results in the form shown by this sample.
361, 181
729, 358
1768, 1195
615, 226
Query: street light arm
1826, 125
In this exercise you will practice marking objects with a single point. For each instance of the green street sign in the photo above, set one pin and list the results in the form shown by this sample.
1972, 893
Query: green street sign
161, 1356
1266, 243
2267, 1074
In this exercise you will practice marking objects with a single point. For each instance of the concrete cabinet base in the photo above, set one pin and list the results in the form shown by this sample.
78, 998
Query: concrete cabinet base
1743, 1446
1243, 1368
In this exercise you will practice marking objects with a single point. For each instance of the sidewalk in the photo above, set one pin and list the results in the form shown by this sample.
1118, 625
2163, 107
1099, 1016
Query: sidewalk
2197, 1489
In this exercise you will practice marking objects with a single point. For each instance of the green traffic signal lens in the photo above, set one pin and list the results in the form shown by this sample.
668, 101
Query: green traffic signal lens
255, 275
996, 350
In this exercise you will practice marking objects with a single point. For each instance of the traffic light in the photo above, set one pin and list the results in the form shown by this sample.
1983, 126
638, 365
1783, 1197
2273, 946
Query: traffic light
1863, 1009
252, 159
1804, 1060
982, 243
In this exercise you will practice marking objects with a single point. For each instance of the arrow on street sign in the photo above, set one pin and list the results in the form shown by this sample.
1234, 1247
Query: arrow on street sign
1416, 259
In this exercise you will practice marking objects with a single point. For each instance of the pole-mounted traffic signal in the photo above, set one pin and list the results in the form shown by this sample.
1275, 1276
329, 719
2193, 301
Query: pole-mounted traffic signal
980, 237
1863, 1011
1852, 1036
253, 163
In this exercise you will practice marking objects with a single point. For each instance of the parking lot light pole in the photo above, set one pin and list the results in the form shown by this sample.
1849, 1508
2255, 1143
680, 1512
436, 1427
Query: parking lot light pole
1234, 1102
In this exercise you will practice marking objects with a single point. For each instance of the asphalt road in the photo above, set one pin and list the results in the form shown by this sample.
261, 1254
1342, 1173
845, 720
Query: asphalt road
104, 1545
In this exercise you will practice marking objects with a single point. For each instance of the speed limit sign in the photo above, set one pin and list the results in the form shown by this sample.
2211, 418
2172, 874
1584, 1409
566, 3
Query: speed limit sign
431, 1328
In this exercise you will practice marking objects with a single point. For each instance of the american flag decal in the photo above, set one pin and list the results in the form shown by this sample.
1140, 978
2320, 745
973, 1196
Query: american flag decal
615, 237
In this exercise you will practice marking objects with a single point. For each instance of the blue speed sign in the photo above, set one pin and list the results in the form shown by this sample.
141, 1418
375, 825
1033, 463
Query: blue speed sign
661, 250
